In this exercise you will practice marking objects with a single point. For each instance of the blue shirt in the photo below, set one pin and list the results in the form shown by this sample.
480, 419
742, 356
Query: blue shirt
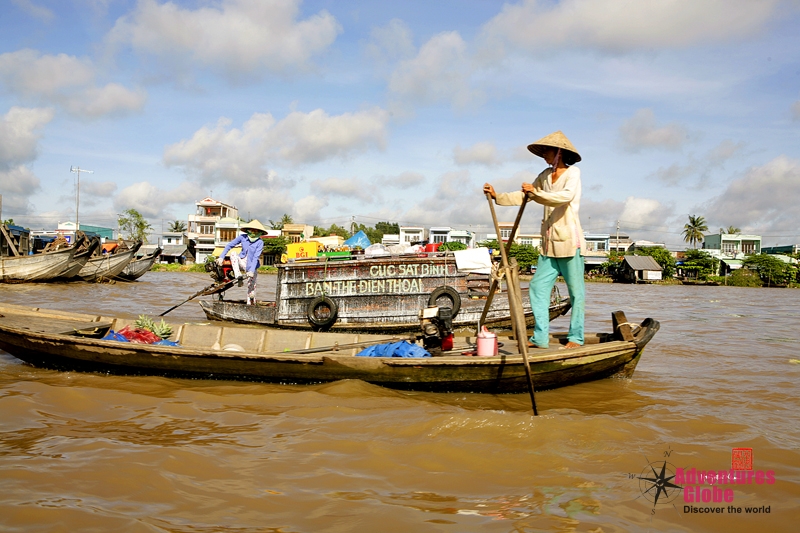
250, 251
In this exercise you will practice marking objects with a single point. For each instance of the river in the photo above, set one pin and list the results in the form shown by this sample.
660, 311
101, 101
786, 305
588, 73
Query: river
93, 452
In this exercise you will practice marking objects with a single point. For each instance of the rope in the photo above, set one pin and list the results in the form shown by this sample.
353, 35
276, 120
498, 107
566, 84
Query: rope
497, 274
634, 327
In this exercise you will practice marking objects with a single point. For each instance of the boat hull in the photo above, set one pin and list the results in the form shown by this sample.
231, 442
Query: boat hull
311, 357
36, 267
137, 267
105, 267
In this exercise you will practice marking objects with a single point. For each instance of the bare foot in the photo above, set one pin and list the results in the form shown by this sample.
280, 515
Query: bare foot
534, 346
570, 345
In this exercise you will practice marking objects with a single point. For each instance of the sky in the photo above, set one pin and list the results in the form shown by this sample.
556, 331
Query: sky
342, 111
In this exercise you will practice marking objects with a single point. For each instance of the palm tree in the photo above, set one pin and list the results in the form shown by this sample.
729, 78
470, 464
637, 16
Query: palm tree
285, 219
693, 231
732, 230
177, 226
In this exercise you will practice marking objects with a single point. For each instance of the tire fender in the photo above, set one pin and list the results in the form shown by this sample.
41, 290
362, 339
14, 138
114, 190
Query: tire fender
322, 312
448, 292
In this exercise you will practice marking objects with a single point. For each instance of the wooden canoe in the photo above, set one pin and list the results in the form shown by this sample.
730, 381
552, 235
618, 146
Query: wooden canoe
69, 341
37, 267
106, 266
137, 267
80, 259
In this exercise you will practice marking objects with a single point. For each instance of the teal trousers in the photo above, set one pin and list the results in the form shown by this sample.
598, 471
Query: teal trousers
547, 271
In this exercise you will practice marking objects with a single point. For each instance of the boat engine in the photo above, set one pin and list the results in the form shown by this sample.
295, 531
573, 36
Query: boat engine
220, 273
437, 329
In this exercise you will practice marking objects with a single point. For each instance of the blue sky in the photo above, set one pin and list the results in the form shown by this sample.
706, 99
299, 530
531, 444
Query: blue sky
401, 111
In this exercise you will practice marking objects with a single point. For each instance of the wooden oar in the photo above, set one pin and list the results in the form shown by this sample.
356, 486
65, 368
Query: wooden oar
495, 282
211, 289
515, 306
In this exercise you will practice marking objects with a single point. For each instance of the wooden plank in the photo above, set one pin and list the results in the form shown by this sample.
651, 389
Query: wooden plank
48, 325
622, 328
10, 241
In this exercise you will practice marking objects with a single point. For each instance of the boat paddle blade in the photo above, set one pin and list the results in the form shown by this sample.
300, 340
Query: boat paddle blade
211, 289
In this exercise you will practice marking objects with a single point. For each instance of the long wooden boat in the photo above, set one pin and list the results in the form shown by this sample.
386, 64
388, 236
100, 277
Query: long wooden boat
37, 267
69, 341
375, 294
80, 259
137, 267
106, 266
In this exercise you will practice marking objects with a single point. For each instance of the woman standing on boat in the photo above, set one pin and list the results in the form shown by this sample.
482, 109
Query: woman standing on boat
558, 189
250, 256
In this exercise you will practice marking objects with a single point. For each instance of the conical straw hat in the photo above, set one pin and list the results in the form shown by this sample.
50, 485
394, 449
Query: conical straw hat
254, 224
556, 140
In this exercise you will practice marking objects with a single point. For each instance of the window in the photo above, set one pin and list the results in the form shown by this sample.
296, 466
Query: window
505, 234
439, 238
749, 247
729, 247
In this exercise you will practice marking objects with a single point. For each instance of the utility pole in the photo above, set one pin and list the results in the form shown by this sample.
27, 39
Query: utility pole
78, 170
617, 246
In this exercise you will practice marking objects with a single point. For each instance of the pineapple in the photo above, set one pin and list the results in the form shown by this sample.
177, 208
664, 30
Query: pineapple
162, 329
144, 322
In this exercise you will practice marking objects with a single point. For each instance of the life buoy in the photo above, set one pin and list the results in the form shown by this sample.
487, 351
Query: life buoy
322, 312
449, 293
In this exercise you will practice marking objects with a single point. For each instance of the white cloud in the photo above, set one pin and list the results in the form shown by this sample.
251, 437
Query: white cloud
766, 197
153, 202
308, 208
347, 188
102, 189
39, 12
641, 131
237, 36
796, 110
19, 135
262, 203
440, 72
404, 180
391, 42
644, 212
482, 153
66, 81
615, 26
725, 150
18, 184
238, 156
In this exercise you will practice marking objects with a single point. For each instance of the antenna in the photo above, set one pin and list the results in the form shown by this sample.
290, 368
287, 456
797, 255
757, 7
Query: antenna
78, 170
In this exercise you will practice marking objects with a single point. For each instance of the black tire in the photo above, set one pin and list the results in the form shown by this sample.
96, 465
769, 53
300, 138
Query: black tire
322, 312
449, 293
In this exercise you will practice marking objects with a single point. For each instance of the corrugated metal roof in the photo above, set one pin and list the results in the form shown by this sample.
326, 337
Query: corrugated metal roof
174, 250
642, 262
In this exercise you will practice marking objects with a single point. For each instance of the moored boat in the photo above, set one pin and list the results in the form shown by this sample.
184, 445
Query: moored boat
80, 259
70, 341
106, 266
36, 267
137, 267
373, 294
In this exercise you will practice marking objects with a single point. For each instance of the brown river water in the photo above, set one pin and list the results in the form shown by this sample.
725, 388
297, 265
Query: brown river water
94, 452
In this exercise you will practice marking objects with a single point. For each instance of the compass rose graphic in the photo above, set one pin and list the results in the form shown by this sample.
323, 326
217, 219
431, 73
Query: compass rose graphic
656, 485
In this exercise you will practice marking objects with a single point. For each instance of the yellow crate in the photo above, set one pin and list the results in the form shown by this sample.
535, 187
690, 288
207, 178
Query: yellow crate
302, 250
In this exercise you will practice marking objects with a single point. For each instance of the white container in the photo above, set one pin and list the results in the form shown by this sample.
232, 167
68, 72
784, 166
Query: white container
487, 343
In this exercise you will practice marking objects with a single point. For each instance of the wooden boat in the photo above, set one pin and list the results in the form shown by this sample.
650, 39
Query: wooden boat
137, 267
70, 341
374, 294
106, 266
80, 259
37, 267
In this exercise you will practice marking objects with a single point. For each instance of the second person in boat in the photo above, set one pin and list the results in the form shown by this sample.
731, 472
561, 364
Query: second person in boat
249, 258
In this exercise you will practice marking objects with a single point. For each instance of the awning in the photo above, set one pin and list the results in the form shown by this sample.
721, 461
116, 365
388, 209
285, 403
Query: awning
110, 246
733, 263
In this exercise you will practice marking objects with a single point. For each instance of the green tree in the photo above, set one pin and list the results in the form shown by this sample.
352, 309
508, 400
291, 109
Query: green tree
730, 230
662, 257
134, 226
177, 226
771, 270
9, 222
700, 261
275, 245
285, 219
612, 266
526, 254
693, 230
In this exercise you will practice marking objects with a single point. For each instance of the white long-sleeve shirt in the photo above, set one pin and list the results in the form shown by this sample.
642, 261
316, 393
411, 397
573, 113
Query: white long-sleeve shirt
562, 234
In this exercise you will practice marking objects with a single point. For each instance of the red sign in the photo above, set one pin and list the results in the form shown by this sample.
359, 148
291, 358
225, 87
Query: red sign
741, 458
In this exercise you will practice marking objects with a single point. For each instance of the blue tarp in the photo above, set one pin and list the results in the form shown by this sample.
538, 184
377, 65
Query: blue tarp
394, 349
360, 239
